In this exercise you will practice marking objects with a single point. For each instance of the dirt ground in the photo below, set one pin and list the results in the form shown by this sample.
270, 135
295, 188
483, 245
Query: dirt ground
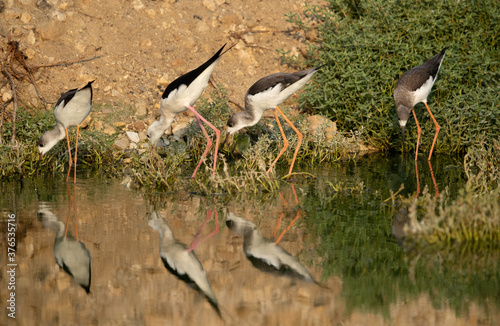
135, 48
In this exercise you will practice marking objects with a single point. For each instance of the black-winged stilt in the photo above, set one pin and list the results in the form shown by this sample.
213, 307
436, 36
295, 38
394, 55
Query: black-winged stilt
181, 261
181, 95
265, 254
267, 93
413, 87
70, 254
71, 109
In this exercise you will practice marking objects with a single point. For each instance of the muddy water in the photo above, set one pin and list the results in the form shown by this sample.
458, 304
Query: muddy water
347, 266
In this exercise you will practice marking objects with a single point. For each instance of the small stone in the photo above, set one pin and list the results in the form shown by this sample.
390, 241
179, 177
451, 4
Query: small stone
210, 5
318, 123
109, 130
115, 93
86, 122
59, 16
133, 136
31, 38
119, 124
7, 95
143, 135
151, 13
97, 124
137, 126
146, 43
163, 80
180, 129
137, 4
30, 53
49, 31
249, 38
121, 143
141, 108
25, 17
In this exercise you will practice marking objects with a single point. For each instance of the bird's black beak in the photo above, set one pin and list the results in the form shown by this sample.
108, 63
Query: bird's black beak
228, 135
403, 132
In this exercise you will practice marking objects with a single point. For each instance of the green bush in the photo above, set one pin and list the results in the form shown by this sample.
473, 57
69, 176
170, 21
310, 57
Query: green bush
368, 45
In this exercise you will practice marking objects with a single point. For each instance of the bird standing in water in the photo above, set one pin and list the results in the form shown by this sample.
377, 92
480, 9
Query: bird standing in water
413, 87
267, 93
71, 109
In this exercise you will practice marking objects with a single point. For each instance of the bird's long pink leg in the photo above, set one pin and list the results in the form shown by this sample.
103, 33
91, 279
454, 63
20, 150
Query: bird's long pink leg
69, 151
419, 131
209, 141
437, 130
285, 142
299, 135
195, 243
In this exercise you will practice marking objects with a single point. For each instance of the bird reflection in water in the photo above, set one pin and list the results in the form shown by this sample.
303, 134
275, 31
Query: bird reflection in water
70, 253
181, 260
266, 255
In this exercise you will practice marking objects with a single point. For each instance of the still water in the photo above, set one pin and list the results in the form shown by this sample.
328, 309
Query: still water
321, 251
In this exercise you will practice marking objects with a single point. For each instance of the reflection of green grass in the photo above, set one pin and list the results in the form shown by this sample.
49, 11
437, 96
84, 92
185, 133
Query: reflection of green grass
352, 230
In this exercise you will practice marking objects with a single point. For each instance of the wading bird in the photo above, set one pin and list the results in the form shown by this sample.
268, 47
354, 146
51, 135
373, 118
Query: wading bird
267, 93
413, 87
71, 109
181, 95
181, 261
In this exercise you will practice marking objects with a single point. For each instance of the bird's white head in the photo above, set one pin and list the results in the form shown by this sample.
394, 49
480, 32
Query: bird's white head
236, 122
49, 139
155, 131
239, 225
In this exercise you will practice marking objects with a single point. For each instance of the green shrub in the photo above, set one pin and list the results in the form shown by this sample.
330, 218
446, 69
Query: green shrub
368, 45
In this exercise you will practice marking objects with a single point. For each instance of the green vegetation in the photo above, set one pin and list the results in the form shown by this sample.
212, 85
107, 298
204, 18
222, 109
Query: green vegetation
21, 158
367, 45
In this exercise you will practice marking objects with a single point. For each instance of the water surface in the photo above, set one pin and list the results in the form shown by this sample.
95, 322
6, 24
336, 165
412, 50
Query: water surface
342, 234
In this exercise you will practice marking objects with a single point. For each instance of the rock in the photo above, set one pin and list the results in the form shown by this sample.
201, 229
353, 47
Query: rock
121, 143
115, 93
86, 122
25, 17
109, 130
133, 136
210, 5
141, 108
142, 135
97, 124
119, 124
318, 123
6, 95
163, 81
31, 38
137, 126
137, 4
180, 128
50, 31
59, 16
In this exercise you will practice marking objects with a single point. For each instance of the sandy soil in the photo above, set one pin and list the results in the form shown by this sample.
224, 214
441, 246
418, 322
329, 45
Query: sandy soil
138, 47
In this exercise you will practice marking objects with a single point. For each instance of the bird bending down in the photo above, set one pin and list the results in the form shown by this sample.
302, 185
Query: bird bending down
413, 87
264, 254
181, 95
71, 109
182, 262
70, 253
267, 93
